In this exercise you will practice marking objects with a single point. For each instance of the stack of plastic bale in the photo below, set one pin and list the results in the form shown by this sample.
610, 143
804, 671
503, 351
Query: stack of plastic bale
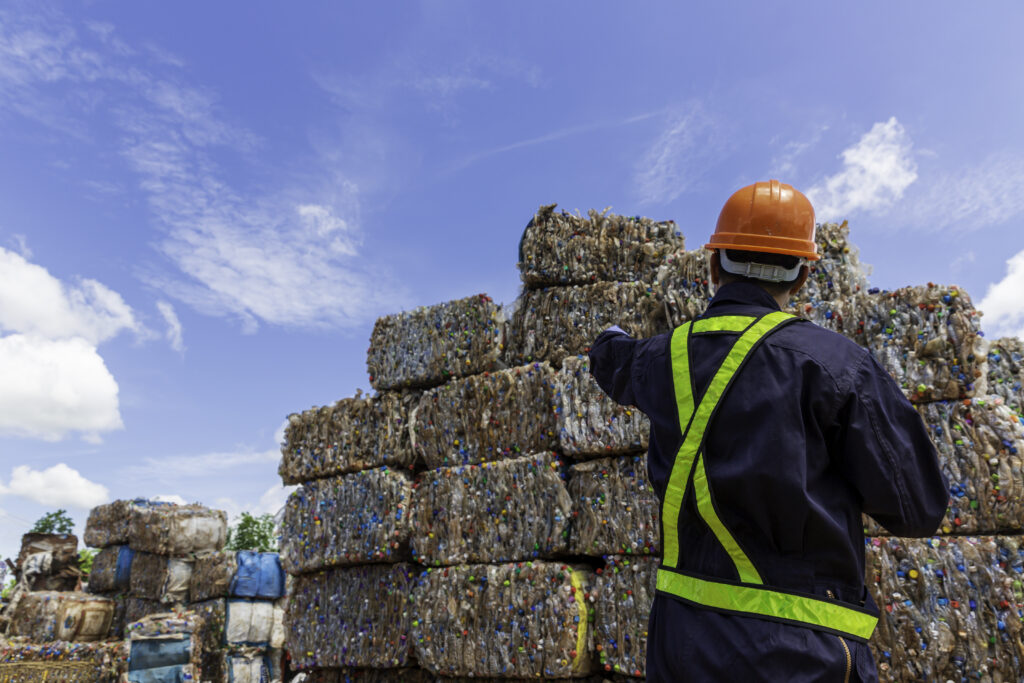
166, 646
489, 515
22, 661
148, 551
345, 532
1006, 371
47, 616
581, 276
241, 597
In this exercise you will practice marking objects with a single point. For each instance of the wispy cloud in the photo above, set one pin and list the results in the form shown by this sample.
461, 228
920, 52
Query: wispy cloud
990, 192
554, 136
202, 465
289, 257
876, 172
676, 161
1003, 303
784, 164
174, 331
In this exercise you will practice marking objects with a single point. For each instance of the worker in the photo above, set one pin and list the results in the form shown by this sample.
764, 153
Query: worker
769, 437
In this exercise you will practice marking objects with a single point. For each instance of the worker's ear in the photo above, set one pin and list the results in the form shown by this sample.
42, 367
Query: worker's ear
715, 268
800, 279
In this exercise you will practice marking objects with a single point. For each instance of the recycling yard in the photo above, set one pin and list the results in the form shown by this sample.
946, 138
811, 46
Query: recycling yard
485, 514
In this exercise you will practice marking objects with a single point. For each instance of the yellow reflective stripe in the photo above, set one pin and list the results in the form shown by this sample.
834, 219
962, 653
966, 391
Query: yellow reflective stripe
580, 662
676, 486
707, 510
693, 429
723, 323
765, 602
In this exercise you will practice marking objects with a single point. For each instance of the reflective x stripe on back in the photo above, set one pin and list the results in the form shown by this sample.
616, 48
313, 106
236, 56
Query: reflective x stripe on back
749, 595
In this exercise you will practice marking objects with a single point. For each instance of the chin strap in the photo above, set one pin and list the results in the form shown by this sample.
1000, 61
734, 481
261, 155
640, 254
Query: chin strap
759, 271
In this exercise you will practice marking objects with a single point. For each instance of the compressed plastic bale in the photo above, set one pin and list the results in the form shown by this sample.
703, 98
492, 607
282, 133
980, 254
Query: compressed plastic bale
523, 620
166, 639
1006, 371
624, 592
249, 622
108, 524
501, 511
550, 324
258, 575
48, 562
62, 548
211, 638
137, 609
177, 530
111, 569
212, 575
25, 662
559, 248
45, 616
350, 617
245, 665
353, 434
615, 509
432, 344
950, 607
487, 417
160, 578
682, 287
590, 423
352, 519
927, 338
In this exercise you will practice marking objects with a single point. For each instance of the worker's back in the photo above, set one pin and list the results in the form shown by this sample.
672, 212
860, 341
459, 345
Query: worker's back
809, 433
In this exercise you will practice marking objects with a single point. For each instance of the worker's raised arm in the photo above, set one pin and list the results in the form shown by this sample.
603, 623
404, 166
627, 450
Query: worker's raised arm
887, 456
611, 364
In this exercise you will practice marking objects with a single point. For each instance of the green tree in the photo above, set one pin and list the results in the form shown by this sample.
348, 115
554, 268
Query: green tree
252, 533
54, 523
85, 558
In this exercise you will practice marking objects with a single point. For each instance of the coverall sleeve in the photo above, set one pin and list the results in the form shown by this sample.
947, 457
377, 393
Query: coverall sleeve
887, 456
611, 364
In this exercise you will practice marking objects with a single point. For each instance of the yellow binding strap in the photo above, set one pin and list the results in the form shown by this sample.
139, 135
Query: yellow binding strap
764, 602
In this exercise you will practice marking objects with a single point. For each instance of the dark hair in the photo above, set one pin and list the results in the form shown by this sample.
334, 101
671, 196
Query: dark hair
783, 260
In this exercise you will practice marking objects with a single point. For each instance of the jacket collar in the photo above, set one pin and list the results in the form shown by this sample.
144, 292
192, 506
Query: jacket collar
736, 295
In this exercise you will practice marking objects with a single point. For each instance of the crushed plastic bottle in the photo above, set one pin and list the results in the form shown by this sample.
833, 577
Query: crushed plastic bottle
624, 592
1006, 371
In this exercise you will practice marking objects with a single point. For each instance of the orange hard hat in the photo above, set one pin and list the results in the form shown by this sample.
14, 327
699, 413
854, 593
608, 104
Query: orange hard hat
768, 217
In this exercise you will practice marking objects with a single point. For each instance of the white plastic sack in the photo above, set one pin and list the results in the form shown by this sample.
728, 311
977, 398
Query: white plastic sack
249, 622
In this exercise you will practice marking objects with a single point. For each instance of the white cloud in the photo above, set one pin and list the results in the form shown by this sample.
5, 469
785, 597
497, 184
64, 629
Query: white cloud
170, 498
876, 172
59, 485
34, 302
677, 160
783, 164
1003, 304
53, 387
988, 193
174, 332
202, 465
55, 381
274, 498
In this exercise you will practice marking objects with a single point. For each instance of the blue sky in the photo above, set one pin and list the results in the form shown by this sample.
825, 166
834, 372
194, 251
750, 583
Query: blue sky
204, 206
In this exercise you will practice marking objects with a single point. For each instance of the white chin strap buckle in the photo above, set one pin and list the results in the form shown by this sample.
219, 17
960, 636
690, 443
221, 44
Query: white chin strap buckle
759, 271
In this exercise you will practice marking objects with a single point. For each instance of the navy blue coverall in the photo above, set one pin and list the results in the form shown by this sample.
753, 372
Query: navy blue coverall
811, 433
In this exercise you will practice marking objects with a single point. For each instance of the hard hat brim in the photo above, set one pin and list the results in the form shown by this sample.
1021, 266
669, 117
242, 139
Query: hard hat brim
768, 244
